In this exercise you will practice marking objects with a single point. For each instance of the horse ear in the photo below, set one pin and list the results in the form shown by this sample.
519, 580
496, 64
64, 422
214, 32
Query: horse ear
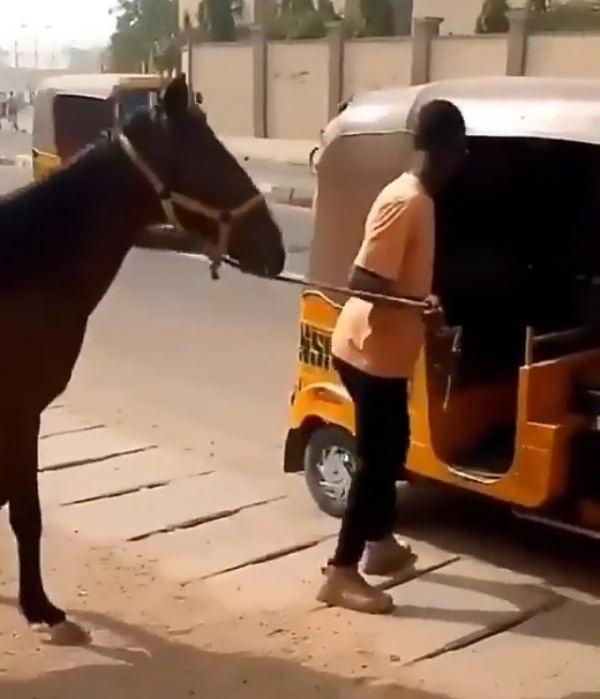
176, 97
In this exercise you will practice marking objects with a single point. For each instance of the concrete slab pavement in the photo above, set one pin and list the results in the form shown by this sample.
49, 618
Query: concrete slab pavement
462, 627
531, 661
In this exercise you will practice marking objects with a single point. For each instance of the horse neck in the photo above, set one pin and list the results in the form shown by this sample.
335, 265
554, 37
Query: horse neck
121, 205
76, 226
100, 185
112, 190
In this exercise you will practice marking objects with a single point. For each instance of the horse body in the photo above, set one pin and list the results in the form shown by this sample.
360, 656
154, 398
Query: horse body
51, 276
62, 244
42, 340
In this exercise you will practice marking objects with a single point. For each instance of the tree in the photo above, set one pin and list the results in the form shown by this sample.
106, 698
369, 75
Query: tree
572, 16
493, 17
217, 18
299, 19
327, 11
297, 8
142, 25
537, 6
378, 17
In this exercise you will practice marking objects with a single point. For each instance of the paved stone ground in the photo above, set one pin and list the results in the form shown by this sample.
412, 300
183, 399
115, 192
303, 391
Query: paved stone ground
201, 580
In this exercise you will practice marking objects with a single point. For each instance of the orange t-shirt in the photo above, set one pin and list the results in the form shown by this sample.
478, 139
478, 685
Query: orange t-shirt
398, 245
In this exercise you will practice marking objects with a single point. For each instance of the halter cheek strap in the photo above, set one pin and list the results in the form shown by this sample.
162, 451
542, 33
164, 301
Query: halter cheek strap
225, 218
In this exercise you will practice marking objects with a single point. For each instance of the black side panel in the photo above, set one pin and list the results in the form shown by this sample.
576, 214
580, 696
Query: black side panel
79, 121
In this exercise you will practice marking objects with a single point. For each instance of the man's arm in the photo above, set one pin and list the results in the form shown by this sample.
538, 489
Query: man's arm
363, 280
379, 260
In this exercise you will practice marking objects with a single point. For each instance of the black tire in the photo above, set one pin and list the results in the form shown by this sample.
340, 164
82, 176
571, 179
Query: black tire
322, 440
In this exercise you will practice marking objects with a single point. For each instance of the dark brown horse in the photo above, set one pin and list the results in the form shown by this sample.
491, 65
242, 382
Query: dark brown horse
62, 242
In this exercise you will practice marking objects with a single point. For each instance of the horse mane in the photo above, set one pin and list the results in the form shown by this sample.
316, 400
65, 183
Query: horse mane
42, 223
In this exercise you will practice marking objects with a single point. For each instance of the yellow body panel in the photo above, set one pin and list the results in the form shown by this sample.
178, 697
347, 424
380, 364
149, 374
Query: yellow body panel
539, 403
44, 164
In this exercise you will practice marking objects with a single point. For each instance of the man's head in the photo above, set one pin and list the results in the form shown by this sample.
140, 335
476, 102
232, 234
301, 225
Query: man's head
440, 134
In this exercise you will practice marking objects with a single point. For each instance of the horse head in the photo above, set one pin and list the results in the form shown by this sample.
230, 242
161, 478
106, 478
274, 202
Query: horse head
201, 186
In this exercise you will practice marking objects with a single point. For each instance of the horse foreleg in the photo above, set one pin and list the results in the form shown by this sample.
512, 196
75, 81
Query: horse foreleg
25, 517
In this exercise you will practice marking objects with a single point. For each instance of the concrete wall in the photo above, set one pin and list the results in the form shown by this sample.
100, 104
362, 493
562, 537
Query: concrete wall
291, 89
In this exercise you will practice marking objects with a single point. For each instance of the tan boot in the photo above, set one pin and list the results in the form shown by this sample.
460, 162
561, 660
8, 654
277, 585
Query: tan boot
387, 557
346, 588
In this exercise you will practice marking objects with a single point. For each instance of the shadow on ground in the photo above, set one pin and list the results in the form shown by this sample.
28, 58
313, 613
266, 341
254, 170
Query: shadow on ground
154, 667
478, 528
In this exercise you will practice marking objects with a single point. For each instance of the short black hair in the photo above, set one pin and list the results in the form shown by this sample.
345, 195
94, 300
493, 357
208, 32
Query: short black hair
440, 125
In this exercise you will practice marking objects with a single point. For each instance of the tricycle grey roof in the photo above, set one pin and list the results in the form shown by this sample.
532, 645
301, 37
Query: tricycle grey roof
550, 108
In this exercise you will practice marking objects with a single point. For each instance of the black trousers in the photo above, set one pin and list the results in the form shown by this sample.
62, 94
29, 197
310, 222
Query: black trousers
382, 441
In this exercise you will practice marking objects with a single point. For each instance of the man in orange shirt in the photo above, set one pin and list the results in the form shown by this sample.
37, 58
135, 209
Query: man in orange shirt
375, 347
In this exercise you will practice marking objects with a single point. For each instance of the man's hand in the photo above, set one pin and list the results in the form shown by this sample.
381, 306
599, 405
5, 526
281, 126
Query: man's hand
433, 303
434, 313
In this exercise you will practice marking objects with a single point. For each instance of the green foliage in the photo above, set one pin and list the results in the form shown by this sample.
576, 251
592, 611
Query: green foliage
545, 16
537, 6
167, 59
310, 26
574, 16
301, 19
493, 17
142, 26
216, 19
327, 11
378, 18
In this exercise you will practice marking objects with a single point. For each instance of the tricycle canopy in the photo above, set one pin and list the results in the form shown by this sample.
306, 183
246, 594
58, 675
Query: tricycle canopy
74, 108
369, 143
548, 108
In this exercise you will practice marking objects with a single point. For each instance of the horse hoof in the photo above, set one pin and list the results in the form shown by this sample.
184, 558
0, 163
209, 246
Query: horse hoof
67, 633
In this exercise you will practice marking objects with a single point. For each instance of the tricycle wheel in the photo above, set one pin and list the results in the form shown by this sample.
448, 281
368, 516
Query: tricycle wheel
329, 464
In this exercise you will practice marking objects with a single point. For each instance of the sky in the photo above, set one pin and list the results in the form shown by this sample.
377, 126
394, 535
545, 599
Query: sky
54, 23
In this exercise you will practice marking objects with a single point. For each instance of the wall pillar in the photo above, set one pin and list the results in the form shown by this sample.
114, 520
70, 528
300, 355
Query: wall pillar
335, 42
425, 30
516, 41
260, 50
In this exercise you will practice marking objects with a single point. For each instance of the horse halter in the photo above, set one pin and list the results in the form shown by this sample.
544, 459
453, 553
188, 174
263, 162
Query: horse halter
225, 218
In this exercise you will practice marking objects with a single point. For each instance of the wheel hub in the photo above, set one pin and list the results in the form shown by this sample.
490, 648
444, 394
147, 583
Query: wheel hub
335, 469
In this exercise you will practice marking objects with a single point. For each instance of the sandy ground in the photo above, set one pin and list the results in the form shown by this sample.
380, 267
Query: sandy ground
151, 639
224, 605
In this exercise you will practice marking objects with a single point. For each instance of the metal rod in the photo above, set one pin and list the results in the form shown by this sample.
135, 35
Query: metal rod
563, 526
529, 346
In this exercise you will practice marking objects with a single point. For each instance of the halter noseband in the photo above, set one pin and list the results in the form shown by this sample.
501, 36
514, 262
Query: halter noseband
225, 218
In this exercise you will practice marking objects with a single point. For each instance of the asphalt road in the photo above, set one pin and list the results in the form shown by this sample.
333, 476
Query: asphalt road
282, 175
12, 143
204, 362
